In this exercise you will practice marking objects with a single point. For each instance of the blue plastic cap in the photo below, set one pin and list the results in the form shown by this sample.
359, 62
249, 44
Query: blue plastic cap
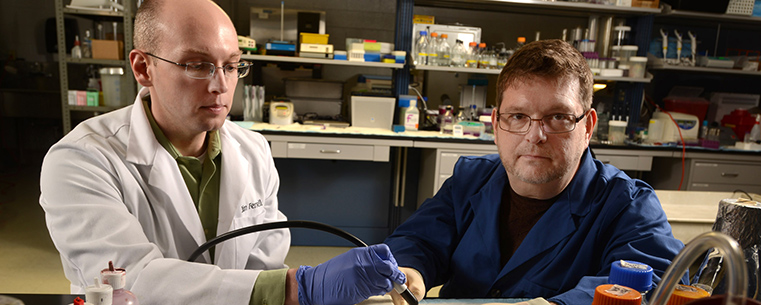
635, 275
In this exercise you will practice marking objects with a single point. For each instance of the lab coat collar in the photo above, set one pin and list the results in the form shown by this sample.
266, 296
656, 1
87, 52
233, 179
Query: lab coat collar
142, 145
558, 222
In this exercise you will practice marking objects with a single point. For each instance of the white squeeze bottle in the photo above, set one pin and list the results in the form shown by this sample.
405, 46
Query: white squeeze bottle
411, 116
117, 278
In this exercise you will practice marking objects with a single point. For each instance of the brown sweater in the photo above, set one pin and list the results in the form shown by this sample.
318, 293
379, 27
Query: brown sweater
517, 215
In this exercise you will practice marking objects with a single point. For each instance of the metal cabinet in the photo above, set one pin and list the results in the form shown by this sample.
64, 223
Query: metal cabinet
713, 175
128, 88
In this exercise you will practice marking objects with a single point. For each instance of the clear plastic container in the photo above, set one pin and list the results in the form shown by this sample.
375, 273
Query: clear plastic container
111, 81
616, 132
637, 66
627, 52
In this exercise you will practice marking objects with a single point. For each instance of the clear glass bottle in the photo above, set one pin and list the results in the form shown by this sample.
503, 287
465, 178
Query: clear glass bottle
421, 49
483, 56
472, 61
87, 45
76, 51
447, 121
459, 54
492, 58
444, 49
520, 43
502, 56
433, 49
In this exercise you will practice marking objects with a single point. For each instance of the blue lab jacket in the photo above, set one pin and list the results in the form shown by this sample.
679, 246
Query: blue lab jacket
602, 216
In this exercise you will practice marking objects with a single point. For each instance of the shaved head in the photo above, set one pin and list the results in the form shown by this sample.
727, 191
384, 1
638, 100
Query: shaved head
156, 18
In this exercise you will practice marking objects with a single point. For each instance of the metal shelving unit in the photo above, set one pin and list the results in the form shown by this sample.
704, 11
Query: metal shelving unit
64, 60
703, 70
306, 60
563, 8
497, 71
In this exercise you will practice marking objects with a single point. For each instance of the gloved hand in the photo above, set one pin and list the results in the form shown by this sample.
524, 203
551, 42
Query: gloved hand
349, 278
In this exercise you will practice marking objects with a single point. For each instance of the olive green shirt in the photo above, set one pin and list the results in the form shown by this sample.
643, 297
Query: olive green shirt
202, 179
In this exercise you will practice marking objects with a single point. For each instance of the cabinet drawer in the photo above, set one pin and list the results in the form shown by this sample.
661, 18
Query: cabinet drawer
331, 151
638, 163
724, 172
449, 159
718, 187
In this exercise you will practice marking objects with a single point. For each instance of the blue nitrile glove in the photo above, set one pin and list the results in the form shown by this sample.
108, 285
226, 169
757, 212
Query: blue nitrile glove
349, 278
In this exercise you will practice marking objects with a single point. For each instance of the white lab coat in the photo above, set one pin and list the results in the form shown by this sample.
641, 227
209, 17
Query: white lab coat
110, 191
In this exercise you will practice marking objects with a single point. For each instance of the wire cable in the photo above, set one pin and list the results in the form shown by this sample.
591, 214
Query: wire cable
400, 288
276, 225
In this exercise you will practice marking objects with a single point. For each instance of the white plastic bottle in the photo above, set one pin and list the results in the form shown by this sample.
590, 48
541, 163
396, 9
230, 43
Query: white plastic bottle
411, 116
433, 50
76, 51
117, 278
444, 51
421, 49
755, 132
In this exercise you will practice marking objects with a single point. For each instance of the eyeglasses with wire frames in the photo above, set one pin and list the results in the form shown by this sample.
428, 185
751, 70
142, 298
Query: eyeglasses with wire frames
520, 123
205, 70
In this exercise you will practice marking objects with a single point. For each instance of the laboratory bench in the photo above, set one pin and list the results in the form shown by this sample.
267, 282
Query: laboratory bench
367, 181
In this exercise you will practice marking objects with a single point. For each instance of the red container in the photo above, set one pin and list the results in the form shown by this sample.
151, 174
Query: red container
696, 106
740, 120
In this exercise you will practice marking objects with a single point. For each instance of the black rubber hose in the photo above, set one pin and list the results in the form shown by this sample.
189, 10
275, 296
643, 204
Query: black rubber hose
276, 225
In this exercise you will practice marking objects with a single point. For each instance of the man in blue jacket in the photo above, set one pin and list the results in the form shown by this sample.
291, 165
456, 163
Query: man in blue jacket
542, 218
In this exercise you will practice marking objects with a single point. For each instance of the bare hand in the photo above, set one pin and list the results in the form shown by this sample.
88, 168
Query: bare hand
414, 283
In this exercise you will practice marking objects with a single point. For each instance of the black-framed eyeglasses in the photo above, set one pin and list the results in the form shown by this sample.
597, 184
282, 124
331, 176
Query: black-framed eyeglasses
520, 123
205, 70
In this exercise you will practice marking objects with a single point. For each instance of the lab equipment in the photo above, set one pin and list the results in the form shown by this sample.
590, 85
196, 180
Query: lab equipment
616, 294
688, 124
635, 275
755, 132
281, 113
447, 120
665, 45
466, 34
87, 45
739, 219
678, 46
693, 47
736, 273
398, 278
372, 111
99, 294
433, 49
444, 51
472, 61
117, 278
622, 32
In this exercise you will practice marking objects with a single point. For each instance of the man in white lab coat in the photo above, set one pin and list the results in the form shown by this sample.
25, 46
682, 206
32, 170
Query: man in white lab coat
145, 185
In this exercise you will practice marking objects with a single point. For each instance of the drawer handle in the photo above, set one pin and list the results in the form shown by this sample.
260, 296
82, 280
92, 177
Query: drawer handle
730, 175
330, 151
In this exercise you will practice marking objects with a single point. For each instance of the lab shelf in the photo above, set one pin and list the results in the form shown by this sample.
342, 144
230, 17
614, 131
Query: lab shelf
92, 12
306, 60
703, 70
678, 14
91, 61
541, 7
497, 71
92, 108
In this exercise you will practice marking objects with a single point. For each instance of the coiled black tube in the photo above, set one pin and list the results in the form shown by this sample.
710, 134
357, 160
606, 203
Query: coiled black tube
276, 225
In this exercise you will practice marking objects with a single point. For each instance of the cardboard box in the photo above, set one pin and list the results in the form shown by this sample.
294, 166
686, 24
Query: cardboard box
646, 3
107, 49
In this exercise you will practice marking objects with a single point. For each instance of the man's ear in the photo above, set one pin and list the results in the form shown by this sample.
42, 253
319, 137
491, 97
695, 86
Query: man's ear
591, 121
139, 62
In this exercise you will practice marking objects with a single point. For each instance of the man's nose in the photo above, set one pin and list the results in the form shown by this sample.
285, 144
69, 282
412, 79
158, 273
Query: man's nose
536, 132
218, 82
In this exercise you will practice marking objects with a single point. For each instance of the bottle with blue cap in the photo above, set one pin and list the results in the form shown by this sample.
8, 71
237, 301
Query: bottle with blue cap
635, 275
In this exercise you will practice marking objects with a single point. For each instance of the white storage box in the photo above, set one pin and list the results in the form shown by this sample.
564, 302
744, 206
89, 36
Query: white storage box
372, 111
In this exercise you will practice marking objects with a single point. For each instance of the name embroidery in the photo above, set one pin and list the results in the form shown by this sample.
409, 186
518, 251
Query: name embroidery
251, 206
